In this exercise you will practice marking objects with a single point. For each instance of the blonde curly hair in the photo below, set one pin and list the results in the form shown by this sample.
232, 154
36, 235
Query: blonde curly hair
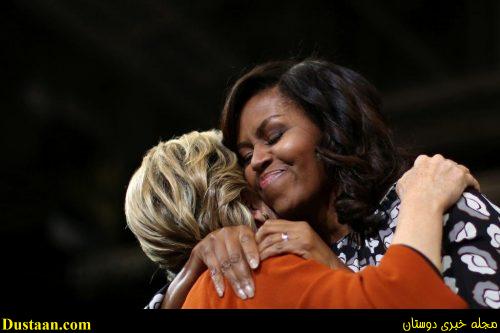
184, 189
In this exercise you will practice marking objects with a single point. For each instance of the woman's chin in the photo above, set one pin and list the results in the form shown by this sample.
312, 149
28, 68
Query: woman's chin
284, 211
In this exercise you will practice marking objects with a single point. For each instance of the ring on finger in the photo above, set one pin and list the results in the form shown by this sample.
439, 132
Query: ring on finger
225, 266
284, 236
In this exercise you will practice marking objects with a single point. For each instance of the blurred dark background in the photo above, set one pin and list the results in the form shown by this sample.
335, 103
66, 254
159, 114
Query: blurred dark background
88, 86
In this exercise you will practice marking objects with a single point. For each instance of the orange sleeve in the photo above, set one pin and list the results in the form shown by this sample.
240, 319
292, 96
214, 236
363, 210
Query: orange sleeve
404, 279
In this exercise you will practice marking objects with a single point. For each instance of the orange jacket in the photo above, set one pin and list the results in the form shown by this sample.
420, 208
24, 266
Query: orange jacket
404, 279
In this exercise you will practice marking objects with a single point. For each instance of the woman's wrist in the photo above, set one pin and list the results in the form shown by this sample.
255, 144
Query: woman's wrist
420, 226
181, 285
420, 202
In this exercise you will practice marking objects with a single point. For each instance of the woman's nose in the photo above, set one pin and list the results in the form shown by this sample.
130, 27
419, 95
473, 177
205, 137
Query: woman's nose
261, 158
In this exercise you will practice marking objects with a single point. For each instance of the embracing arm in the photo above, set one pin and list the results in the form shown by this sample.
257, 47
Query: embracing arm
230, 252
426, 191
233, 252
301, 239
392, 284
184, 280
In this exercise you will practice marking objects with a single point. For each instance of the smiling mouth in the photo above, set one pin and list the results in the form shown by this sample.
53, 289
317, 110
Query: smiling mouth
269, 178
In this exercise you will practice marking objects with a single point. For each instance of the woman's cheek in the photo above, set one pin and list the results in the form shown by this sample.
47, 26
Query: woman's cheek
286, 150
250, 177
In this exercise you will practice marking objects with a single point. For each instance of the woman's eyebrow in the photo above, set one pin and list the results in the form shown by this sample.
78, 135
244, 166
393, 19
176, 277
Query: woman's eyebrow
259, 131
244, 144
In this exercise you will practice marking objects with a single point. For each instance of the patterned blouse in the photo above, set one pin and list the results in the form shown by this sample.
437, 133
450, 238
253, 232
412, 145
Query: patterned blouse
470, 253
471, 248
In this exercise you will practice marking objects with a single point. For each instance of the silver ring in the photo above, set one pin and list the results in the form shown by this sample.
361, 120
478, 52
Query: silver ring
284, 236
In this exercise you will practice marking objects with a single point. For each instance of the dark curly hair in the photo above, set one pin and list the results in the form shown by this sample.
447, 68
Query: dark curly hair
357, 148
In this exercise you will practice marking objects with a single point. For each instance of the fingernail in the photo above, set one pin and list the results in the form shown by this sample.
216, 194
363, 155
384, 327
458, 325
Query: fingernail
219, 291
249, 291
242, 293
254, 263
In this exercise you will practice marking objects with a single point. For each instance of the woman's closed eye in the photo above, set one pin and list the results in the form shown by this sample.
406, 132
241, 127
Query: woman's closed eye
245, 159
274, 137
270, 140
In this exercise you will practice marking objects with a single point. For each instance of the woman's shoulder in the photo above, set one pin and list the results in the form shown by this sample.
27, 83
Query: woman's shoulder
473, 216
476, 205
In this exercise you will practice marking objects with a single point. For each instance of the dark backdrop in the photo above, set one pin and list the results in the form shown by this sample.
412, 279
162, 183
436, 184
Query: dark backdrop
88, 86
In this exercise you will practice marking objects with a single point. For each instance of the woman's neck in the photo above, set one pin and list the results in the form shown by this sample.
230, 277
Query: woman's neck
327, 224
335, 230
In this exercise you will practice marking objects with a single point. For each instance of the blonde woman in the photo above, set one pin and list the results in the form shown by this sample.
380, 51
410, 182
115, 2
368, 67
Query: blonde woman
189, 187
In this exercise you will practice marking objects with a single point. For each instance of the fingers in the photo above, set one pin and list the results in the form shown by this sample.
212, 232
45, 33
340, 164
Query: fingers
438, 157
435, 182
249, 247
241, 276
227, 252
272, 234
278, 247
434, 160
421, 159
224, 259
464, 168
471, 181
215, 272
463, 172
469, 178
273, 239
206, 253
272, 227
281, 238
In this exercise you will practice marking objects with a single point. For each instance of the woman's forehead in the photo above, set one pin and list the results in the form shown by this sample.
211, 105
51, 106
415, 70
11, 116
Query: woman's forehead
262, 108
264, 103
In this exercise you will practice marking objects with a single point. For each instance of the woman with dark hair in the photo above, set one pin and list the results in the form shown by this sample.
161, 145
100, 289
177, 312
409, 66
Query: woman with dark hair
356, 147
314, 146
192, 185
